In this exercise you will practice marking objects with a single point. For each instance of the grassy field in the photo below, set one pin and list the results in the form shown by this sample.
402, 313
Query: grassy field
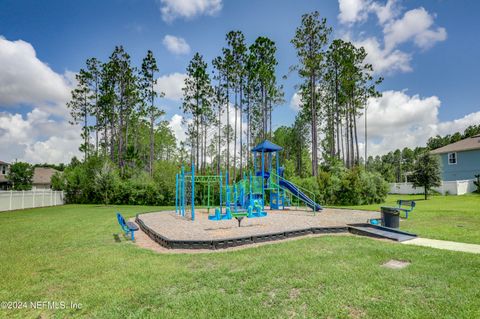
454, 218
69, 254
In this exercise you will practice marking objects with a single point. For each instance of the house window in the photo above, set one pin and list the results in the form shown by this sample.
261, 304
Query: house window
452, 158
4, 169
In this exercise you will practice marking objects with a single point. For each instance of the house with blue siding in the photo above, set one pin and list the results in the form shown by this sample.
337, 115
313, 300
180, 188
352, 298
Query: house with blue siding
460, 160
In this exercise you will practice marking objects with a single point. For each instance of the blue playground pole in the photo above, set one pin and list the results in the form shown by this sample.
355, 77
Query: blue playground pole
278, 184
263, 180
270, 162
183, 191
250, 185
193, 191
176, 193
221, 192
227, 191
235, 197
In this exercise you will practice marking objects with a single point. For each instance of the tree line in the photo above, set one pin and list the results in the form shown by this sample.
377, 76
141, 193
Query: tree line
115, 103
242, 80
440, 141
336, 83
398, 166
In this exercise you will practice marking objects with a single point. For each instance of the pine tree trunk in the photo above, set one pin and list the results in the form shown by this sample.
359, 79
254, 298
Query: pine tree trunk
219, 134
357, 160
112, 139
263, 111
197, 134
204, 147
342, 142
241, 130
85, 129
235, 140
197, 145
105, 137
331, 130
97, 127
120, 142
249, 158
352, 142
150, 162
347, 137
337, 112
270, 117
314, 126
227, 164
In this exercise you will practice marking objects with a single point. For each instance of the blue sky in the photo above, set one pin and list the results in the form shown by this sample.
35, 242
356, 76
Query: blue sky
425, 51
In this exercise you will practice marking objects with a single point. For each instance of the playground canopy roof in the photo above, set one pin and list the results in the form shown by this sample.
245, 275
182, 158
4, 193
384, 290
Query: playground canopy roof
267, 147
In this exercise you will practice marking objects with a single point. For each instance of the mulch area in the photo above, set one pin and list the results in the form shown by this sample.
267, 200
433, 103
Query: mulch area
171, 225
174, 227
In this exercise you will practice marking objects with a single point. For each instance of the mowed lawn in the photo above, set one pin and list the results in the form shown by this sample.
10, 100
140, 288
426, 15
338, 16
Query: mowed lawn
69, 254
455, 218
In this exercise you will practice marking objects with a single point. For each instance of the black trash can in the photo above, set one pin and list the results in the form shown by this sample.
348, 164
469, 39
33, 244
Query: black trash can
390, 217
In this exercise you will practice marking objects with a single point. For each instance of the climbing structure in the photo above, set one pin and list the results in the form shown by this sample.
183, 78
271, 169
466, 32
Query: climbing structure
280, 190
248, 196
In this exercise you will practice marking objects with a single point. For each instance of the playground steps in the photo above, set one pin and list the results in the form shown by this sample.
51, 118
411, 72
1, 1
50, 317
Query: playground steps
380, 232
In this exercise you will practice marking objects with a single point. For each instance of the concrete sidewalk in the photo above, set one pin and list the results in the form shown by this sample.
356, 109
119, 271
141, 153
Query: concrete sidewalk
443, 244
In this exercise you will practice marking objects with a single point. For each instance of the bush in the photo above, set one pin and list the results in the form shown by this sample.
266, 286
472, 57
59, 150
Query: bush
476, 182
98, 181
340, 186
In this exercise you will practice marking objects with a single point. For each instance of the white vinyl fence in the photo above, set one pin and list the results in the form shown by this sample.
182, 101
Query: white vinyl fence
11, 200
447, 187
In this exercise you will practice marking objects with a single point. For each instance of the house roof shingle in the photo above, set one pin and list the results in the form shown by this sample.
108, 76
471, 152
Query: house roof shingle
468, 144
43, 175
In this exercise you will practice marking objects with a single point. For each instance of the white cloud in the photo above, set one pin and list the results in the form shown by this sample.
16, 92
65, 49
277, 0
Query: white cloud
296, 101
397, 120
416, 26
25, 79
56, 149
384, 61
36, 138
385, 12
178, 127
173, 9
355, 11
176, 45
171, 85
352, 11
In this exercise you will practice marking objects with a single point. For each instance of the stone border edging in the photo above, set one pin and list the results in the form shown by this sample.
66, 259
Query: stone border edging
234, 241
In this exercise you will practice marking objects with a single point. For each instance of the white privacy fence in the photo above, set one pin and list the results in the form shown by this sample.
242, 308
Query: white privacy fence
447, 187
11, 200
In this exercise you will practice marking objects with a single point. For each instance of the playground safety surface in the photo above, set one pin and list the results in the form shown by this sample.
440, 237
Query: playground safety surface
174, 232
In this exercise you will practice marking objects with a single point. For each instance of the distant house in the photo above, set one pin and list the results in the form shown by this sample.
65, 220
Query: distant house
460, 160
42, 177
3, 178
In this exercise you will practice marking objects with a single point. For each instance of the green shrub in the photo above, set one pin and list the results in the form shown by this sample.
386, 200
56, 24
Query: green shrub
97, 180
476, 182
340, 186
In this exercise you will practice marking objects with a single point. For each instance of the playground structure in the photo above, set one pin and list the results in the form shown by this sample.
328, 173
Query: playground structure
247, 197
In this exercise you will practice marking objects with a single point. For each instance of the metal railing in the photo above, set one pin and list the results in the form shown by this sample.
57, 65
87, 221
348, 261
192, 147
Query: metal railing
305, 191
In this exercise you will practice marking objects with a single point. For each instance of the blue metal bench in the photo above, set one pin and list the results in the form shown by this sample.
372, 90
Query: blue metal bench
406, 206
127, 227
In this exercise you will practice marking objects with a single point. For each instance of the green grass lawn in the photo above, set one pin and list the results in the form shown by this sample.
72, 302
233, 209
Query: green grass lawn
454, 218
69, 254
